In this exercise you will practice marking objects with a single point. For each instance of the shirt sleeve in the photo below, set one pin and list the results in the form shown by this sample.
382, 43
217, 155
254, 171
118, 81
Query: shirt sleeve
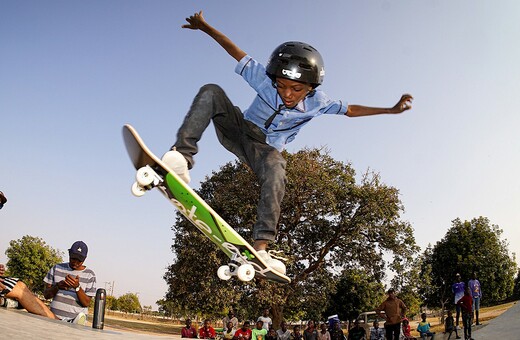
253, 72
49, 278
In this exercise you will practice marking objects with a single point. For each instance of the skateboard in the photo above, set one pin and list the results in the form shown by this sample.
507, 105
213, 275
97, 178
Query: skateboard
153, 173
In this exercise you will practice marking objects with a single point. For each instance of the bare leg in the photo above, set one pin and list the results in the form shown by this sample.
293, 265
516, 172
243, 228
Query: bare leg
30, 301
260, 245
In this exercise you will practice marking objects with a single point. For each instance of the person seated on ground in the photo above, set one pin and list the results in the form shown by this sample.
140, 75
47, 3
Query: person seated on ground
337, 332
271, 334
207, 332
243, 333
357, 332
376, 332
449, 326
230, 317
296, 333
259, 332
407, 330
424, 328
188, 331
71, 286
15, 289
324, 333
283, 333
228, 332
310, 333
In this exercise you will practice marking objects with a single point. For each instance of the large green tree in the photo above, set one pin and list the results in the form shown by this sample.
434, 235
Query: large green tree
328, 224
469, 246
29, 259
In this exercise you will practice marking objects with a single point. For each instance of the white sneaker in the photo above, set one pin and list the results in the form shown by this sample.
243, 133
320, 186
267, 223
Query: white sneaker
176, 161
80, 319
274, 263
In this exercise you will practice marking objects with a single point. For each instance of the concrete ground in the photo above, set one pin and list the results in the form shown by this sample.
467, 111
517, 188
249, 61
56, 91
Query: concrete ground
504, 326
18, 324
15, 324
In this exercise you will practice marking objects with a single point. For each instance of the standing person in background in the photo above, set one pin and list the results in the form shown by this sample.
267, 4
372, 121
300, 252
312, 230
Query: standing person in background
395, 311
466, 305
267, 322
458, 292
71, 286
476, 293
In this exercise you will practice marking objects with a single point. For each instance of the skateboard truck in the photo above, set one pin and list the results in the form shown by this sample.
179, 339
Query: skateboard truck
244, 271
145, 179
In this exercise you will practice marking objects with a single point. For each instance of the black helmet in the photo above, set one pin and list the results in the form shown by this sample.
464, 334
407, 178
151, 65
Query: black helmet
296, 61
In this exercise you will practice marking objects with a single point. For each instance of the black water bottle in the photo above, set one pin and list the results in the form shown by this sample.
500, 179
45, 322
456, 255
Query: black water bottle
99, 309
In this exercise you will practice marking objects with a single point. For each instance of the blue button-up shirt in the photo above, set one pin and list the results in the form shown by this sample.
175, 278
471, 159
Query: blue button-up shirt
288, 122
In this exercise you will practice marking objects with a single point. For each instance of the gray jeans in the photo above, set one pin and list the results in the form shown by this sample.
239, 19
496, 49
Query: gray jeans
247, 142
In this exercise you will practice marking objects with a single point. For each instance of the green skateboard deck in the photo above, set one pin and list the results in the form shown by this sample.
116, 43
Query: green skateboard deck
153, 173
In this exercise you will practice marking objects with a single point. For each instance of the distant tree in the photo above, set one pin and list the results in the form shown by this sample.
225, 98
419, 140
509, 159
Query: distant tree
469, 246
168, 308
516, 290
111, 303
406, 282
356, 292
328, 224
129, 303
29, 259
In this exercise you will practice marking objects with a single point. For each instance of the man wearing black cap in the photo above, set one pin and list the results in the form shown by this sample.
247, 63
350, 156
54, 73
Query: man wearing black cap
71, 286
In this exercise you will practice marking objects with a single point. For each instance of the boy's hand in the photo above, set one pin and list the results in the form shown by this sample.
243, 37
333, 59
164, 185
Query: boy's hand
195, 22
405, 103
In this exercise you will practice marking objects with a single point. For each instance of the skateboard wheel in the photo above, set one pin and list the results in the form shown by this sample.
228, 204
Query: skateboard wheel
144, 177
137, 190
224, 273
246, 272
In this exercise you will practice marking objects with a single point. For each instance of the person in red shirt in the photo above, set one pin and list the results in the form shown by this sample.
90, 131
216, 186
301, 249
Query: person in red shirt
188, 331
466, 304
207, 332
243, 333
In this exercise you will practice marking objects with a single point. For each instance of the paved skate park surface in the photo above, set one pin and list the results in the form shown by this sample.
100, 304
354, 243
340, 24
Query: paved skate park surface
17, 324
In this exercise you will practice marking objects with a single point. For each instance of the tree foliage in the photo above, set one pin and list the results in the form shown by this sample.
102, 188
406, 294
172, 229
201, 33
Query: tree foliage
469, 246
328, 224
356, 292
129, 303
29, 259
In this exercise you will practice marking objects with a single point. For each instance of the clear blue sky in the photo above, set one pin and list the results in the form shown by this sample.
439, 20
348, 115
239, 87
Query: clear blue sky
73, 72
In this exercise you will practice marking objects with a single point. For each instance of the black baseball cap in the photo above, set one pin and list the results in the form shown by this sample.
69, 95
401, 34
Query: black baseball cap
79, 249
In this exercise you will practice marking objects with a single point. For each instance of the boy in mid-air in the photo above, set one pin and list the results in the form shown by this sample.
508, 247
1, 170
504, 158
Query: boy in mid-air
287, 99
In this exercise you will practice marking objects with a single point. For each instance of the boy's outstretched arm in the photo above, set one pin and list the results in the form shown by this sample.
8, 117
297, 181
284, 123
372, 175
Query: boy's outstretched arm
405, 103
197, 22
